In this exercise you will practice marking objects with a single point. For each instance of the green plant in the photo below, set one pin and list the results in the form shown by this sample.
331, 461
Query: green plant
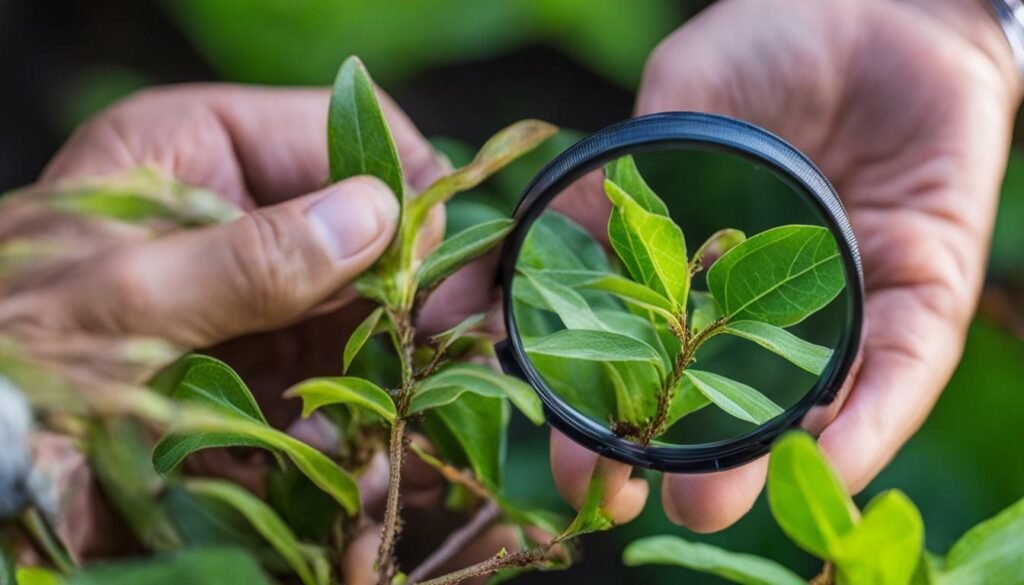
880, 545
756, 288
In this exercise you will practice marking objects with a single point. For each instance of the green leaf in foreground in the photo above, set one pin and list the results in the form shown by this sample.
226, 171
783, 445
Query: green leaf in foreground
602, 346
319, 392
473, 431
458, 250
207, 566
806, 498
623, 172
991, 552
650, 245
450, 383
780, 276
808, 356
358, 339
736, 567
635, 294
733, 397
263, 519
705, 310
885, 548
359, 141
37, 576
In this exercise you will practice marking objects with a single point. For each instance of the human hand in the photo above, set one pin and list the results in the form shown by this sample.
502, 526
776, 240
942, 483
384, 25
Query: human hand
907, 107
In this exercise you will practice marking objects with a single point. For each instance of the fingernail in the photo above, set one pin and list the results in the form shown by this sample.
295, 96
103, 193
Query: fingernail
353, 215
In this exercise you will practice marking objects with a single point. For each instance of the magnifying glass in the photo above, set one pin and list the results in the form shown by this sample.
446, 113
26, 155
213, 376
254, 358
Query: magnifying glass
680, 289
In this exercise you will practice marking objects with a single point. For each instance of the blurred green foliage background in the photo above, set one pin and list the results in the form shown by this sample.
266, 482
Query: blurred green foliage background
463, 69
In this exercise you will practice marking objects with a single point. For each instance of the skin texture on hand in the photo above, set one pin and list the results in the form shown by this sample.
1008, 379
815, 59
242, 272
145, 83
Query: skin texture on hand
907, 107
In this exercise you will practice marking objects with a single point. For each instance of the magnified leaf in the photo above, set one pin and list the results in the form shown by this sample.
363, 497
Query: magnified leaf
450, 383
593, 346
358, 338
806, 498
736, 567
565, 302
263, 519
623, 172
650, 245
634, 293
358, 139
991, 552
804, 354
885, 548
458, 250
705, 310
472, 430
686, 399
779, 276
636, 388
318, 392
206, 566
733, 397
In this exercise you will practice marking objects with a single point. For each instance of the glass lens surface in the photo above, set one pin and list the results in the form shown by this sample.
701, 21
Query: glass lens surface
680, 297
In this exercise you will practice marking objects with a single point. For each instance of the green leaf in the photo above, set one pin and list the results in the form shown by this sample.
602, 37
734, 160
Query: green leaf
650, 245
358, 139
779, 276
358, 339
806, 498
7, 566
444, 340
460, 249
555, 242
885, 548
37, 576
263, 519
808, 356
208, 566
736, 567
592, 517
309, 511
202, 379
705, 310
686, 399
565, 302
602, 346
623, 172
119, 455
716, 246
318, 392
203, 522
635, 294
735, 398
991, 552
472, 430
450, 383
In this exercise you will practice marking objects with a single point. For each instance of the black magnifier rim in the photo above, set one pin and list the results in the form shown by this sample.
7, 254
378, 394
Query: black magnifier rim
684, 130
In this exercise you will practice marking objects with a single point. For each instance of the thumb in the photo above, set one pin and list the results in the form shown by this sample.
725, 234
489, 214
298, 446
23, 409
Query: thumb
263, 271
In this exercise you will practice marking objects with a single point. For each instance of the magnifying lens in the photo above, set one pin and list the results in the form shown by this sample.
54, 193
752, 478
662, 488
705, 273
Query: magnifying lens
680, 289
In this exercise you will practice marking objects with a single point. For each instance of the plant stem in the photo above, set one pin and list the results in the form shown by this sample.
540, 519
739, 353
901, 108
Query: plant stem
826, 577
456, 542
533, 557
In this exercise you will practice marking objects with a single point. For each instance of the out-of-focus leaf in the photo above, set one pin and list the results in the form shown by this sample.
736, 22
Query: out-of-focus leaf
120, 457
885, 548
602, 346
736, 567
263, 519
7, 566
358, 339
26, 253
623, 172
705, 310
359, 141
138, 195
318, 392
204, 522
472, 430
555, 242
199, 378
780, 276
309, 511
804, 354
460, 249
733, 397
37, 576
207, 566
806, 498
991, 552
650, 245
450, 383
